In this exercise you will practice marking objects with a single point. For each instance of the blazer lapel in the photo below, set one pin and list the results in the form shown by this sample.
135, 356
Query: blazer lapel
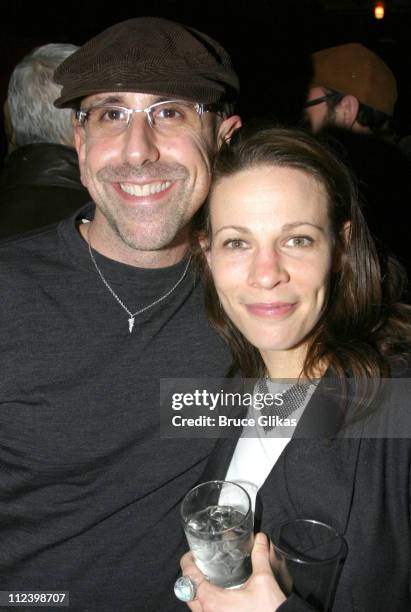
314, 476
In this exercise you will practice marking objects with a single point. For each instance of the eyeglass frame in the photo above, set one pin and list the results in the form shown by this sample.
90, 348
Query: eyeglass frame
319, 100
335, 96
200, 107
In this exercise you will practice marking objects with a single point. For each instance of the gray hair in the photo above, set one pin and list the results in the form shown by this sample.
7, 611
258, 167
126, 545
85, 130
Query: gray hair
31, 94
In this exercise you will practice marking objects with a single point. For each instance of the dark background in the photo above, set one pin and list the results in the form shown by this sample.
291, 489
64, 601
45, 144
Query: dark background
270, 41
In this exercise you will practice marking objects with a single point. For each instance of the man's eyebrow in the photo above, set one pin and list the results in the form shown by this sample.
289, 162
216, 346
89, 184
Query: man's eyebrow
111, 99
119, 99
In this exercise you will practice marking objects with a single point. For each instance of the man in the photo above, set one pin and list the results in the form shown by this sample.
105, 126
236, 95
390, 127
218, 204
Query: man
40, 182
351, 88
350, 105
96, 311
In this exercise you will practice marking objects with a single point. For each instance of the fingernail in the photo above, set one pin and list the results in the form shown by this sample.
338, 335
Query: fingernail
260, 538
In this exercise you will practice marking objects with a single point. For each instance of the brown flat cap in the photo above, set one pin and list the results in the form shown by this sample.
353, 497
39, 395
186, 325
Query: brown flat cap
355, 70
148, 55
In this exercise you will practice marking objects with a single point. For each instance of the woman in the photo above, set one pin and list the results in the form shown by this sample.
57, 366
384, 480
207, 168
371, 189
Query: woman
294, 285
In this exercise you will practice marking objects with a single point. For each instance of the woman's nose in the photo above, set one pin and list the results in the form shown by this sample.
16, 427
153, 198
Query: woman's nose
267, 270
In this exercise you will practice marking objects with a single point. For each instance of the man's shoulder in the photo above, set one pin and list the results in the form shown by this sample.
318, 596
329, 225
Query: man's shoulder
37, 252
40, 244
22, 248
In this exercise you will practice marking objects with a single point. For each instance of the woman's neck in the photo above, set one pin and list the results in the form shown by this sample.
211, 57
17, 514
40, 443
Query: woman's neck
284, 364
289, 363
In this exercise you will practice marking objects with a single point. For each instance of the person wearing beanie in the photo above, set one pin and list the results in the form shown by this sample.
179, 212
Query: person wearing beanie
352, 88
96, 310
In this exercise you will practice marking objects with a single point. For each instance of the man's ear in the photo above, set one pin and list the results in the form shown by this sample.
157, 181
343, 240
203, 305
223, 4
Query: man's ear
80, 145
346, 112
226, 129
79, 138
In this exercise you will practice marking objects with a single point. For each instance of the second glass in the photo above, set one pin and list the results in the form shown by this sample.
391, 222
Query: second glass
308, 558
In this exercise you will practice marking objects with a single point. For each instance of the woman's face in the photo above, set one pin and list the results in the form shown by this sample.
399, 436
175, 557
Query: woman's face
271, 254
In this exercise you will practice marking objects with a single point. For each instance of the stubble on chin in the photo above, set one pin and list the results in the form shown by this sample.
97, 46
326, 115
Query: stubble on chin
142, 229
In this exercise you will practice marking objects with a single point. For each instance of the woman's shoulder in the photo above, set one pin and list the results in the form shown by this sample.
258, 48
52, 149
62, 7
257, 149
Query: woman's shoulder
400, 366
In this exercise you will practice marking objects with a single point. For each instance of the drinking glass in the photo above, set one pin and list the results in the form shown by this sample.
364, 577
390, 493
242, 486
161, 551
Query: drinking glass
308, 558
218, 523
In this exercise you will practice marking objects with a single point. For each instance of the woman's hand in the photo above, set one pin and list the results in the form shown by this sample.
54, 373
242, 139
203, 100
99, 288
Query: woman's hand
261, 591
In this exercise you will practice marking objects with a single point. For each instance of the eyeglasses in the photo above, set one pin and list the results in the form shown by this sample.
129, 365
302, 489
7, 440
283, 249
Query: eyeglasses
169, 116
316, 101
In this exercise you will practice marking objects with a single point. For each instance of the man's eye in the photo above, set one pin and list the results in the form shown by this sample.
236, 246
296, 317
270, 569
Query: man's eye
299, 241
169, 113
114, 114
107, 115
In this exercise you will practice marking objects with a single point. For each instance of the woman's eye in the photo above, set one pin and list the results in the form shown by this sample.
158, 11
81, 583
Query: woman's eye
299, 241
235, 243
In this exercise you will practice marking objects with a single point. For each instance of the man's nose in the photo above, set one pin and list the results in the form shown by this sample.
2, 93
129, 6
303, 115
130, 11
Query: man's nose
140, 141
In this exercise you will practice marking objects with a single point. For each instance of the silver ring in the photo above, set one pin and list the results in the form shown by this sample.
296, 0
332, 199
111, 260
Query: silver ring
185, 588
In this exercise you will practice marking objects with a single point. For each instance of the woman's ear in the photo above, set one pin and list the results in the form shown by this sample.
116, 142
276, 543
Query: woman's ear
345, 235
346, 232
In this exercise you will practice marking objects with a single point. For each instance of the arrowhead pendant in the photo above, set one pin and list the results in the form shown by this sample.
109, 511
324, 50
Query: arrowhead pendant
130, 324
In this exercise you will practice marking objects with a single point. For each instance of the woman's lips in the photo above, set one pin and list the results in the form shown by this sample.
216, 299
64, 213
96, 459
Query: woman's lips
271, 310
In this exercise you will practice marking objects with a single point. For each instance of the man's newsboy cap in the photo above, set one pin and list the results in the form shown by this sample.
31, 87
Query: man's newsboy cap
148, 55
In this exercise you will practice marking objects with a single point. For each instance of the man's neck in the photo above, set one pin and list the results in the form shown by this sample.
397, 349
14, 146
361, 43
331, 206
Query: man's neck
132, 257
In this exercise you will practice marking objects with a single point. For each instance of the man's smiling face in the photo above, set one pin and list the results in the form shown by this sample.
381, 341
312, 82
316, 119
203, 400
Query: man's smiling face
147, 184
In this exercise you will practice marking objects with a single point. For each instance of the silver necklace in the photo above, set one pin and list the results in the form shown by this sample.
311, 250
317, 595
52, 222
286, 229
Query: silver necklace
132, 315
293, 398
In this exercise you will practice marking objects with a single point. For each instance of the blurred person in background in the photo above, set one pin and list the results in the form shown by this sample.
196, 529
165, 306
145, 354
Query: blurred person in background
40, 182
351, 88
350, 104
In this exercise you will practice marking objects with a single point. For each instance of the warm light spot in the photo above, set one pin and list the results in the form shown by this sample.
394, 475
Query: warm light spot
379, 10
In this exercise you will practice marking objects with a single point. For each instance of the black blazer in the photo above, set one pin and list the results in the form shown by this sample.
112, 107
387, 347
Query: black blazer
358, 483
